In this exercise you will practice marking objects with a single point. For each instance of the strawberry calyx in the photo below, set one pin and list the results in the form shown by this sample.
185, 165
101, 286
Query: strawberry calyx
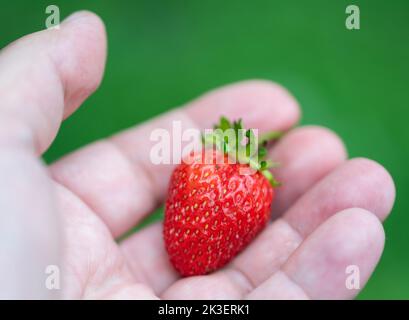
241, 144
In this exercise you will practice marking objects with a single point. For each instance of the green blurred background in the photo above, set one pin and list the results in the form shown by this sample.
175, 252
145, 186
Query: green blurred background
164, 53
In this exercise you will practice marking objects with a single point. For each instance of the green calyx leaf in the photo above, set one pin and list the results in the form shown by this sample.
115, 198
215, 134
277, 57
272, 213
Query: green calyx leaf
238, 143
269, 136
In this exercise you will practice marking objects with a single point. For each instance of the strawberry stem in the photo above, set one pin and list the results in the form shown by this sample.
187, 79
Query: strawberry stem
246, 151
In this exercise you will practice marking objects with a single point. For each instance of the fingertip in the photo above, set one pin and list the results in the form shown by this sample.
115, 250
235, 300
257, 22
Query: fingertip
84, 36
54, 71
330, 138
366, 234
78, 15
352, 239
262, 104
314, 137
306, 155
384, 186
281, 109
290, 111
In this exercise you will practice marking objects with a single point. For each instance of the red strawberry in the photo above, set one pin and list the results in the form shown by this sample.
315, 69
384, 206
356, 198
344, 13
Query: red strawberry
213, 211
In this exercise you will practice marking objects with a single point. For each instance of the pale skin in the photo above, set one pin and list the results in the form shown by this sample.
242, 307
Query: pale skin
327, 215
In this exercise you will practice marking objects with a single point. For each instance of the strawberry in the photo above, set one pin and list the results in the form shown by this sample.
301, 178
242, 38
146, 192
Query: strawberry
213, 211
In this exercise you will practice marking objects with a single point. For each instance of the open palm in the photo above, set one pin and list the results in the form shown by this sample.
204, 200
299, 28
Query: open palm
326, 216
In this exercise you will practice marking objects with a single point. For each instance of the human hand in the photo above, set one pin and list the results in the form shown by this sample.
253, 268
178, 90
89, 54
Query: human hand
327, 215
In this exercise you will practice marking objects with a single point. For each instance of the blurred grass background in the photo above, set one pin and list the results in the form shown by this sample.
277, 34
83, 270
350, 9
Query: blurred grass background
164, 53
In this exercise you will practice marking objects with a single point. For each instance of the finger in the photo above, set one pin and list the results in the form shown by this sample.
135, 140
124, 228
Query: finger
357, 183
129, 185
261, 104
45, 76
271, 249
334, 262
306, 154
42, 77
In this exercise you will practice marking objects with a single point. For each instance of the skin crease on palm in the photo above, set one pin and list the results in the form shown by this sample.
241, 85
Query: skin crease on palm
327, 215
